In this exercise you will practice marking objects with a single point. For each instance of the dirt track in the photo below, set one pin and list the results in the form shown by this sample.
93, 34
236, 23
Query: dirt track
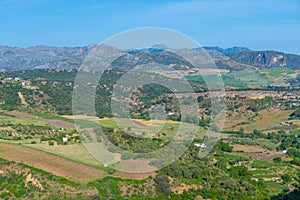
50, 163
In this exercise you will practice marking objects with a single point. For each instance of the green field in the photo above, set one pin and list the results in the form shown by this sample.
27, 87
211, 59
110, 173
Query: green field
8, 119
273, 74
250, 78
74, 152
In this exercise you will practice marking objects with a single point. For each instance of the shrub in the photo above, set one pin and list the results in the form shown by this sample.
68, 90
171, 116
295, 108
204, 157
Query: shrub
163, 184
225, 146
277, 160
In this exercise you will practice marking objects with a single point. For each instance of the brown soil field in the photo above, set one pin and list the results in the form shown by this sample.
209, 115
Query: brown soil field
130, 121
135, 166
81, 117
250, 149
50, 163
59, 123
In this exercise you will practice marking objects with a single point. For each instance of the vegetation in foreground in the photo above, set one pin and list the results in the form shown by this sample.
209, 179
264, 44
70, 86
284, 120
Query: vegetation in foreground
256, 158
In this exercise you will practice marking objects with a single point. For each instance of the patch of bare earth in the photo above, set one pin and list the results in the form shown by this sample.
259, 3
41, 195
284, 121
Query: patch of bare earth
249, 149
81, 117
50, 163
135, 176
33, 181
6, 128
130, 121
22, 98
59, 123
21, 115
147, 188
135, 166
183, 187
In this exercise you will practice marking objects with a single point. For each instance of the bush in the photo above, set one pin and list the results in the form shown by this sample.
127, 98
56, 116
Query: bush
225, 146
286, 178
240, 172
277, 160
296, 161
296, 114
163, 184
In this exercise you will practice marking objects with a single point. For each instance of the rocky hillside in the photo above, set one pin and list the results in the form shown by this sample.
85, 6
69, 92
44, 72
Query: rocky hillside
268, 59
12, 58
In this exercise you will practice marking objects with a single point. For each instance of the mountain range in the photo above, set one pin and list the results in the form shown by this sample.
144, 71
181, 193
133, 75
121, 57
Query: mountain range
45, 57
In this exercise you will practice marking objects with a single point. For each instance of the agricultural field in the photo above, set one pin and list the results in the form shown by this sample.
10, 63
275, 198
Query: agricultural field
251, 78
50, 163
263, 120
259, 127
274, 74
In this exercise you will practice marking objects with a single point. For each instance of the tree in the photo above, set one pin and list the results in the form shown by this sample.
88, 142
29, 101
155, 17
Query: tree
196, 173
286, 178
224, 146
162, 184
240, 171
277, 160
241, 131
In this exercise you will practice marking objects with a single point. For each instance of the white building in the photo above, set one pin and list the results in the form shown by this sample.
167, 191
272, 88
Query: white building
64, 139
200, 145
285, 151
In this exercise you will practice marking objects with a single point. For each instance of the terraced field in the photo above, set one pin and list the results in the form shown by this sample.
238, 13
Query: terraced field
50, 163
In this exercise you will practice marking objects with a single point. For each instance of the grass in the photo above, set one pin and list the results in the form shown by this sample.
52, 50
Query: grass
275, 188
149, 128
263, 164
257, 142
74, 152
4, 119
78, 152
235, 158
52, 116
23, 142
49, 162
227, 80
251, 78
266, 119
273, 74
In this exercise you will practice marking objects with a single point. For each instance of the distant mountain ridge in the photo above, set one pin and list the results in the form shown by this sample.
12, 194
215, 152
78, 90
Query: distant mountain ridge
45, 57
268, 59
231, 50
13, 58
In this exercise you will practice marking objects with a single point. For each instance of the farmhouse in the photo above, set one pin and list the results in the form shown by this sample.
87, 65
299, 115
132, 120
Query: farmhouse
64, 139
285, 151
200, 145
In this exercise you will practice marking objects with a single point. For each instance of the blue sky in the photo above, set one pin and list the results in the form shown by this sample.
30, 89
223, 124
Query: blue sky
257, 24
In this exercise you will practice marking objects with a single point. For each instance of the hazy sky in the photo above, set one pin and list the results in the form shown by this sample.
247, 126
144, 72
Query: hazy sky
256, 24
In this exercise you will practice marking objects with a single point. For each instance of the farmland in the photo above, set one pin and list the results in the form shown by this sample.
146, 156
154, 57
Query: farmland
50, 163
100, 155
74, 162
